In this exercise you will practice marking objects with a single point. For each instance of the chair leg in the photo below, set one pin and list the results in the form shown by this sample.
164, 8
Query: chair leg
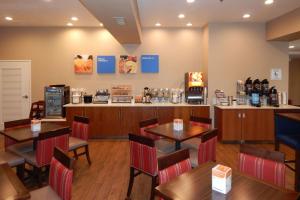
75, 154
20, 171
131, 180
38, 174
153, 184
87, 153
297, 171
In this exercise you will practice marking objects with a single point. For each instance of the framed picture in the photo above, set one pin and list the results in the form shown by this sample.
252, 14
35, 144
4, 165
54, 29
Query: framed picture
83, 64
150, 63
106, 64
127, 64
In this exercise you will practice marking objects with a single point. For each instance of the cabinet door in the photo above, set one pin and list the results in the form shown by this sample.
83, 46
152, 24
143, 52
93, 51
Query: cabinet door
258, 125
104, 122
73, 111
231, 125
132, 116
182, 113
165, 114
201, 111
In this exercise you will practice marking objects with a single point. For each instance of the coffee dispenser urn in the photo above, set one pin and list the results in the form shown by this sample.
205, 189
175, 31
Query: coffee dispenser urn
194, 88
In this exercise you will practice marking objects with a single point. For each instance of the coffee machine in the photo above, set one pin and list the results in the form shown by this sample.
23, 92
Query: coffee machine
194, 88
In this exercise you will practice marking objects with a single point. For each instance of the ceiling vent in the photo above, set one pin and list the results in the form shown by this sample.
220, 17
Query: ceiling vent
120, 20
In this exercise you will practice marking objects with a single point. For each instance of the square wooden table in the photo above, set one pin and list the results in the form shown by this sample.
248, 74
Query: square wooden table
10, 186
196, 185
24, 133
167, 130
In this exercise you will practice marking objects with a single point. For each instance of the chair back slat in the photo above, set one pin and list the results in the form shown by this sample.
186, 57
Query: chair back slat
150, 123
262, 164
173, 165
46, 143
60, 176
81, 119
17, 123
62, 157
143, 154
209, 135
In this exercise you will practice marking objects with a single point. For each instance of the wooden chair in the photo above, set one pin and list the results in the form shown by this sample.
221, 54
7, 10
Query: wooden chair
37, 110
263, 164
196, 121
79, 137
206, 150
8, 143
45, 144
164, 145
145, 163
60, 179
173, 165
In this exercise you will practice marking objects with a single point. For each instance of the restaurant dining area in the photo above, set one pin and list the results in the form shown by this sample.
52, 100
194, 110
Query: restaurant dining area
149, 100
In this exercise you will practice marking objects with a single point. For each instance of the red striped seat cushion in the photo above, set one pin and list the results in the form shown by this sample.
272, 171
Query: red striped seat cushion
80, 130
207, 151
60, 179
149, 135
167, 174
143, 158
263, 169
44, 150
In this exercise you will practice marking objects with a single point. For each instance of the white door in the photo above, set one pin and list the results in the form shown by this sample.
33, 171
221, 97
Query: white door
15, 90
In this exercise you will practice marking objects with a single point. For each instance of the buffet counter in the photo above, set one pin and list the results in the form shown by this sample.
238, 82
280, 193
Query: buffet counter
116, 120
244, 123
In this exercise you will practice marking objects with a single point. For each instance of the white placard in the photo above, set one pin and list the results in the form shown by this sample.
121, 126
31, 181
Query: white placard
276, 74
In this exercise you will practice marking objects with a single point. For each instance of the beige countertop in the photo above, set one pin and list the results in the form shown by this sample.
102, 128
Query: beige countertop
133, 105
253, 107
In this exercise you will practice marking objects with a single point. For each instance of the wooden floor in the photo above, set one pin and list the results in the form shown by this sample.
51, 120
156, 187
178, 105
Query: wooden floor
107, 177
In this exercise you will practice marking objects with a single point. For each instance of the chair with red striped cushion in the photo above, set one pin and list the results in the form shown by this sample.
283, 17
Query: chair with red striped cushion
45, 144
79, 137
162, 144
12, 145
143, 159
60, 179
173, 165
196, 121
263, 164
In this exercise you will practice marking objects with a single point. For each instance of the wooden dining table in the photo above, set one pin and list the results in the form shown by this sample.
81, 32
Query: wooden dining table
197, 185
11, 187
24, 133
167, 131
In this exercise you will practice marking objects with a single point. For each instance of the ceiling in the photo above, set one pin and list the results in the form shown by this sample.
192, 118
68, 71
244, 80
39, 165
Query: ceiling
58, 12
202, 12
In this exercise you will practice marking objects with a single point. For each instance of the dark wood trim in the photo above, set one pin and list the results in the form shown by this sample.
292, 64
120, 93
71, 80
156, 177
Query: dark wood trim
173, 158
148, 122
141, 139
62, 157
210, 134
81, 119
263, 153
20, 122
54, 133
286, 111
200, 119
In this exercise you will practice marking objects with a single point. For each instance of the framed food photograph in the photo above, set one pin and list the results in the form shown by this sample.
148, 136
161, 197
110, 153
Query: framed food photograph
83, 64
127, 64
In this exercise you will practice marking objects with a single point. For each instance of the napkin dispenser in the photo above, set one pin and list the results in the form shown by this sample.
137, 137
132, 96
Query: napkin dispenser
221, 179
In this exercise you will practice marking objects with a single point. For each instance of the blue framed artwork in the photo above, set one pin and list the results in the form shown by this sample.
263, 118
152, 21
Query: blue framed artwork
106, 64
150, 63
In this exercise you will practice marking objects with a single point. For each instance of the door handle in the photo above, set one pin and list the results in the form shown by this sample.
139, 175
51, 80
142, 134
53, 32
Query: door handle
239, 115
25, 96
244, 115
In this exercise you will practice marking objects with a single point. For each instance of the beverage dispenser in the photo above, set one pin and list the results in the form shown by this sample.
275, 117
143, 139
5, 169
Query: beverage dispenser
194, 88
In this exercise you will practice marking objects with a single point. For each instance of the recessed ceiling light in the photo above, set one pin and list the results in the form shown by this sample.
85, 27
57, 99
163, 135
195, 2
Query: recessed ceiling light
48, 1
291, 47
69, 24
74, 18
189, 24
101, 25
157, 24
181, 16
190, 1
9, 18
246, 16
269, 2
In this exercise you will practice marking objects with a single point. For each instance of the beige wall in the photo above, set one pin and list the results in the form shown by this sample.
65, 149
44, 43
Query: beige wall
240, 50
294, 81
52, 50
